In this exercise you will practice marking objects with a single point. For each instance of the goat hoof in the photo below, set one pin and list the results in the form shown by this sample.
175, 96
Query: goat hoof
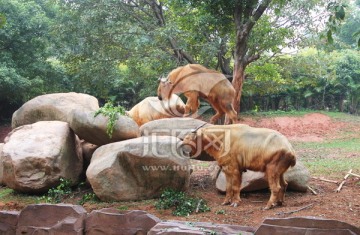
225, 203
268, 207
234, 204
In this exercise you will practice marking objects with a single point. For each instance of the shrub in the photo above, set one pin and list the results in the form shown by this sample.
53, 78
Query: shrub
182, 204
57, 194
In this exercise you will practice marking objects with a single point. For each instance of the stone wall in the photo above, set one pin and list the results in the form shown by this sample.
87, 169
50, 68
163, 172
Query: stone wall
73, 219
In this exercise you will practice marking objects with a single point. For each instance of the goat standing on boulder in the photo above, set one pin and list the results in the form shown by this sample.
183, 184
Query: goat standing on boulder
239, 147
151, 108
196, 81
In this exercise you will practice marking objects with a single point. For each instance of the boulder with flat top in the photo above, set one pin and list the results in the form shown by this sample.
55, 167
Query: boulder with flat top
53, 107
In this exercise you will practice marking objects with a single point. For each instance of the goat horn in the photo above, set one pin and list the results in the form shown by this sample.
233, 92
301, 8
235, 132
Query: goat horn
197, 128
163, 79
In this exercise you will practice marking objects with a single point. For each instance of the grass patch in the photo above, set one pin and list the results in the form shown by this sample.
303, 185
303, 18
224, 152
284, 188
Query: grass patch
338, 144
331, 158
343, 117
9, 195
278, 113
5, 192
334, 167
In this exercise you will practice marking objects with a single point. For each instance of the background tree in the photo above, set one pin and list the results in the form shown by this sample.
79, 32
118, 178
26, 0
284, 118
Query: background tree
117, 49
25, 47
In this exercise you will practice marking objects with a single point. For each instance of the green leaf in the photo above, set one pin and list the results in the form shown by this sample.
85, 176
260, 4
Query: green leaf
340, 13
2, 20
356, 34
329, 36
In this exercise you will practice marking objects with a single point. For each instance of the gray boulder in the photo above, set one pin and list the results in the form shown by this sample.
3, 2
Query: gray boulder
53, 107
110, 221
297, 178
93, 129
36, 156
138, 169
178, 127
51, 219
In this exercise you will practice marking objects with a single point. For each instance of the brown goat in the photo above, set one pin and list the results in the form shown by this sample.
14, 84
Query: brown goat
238, 148
151, 108
197, 81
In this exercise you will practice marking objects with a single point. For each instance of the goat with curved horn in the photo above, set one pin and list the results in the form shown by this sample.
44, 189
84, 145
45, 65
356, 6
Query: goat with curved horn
196, 81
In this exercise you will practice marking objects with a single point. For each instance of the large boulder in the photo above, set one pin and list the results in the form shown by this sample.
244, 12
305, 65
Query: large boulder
178, 127
52, 219
93, 129
297, 178
109, 221
36, 156
138, 169
53, 107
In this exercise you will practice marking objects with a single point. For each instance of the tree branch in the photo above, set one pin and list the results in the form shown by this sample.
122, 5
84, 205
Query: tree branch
252, 58
257, 14
157, 9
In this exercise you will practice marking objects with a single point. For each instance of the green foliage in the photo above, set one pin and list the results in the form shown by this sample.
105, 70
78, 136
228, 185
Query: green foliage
220, 212
87, 197
57, 194
2, 20
26, 44
100, 48
264, 79
182, 204
112, 112
337, 15
123, 208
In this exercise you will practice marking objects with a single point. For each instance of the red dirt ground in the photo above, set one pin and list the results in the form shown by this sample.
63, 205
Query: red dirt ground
343, 206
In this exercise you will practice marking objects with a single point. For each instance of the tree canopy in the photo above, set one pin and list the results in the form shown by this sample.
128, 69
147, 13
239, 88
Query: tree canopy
117, 49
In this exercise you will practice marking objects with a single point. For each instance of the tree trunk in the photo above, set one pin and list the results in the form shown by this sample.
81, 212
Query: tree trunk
237, 82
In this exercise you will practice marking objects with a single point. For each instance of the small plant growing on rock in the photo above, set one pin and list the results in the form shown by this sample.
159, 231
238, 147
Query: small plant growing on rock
112, 112
182, 204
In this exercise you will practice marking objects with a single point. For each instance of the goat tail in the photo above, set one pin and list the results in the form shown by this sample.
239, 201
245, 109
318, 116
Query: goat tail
292, 158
